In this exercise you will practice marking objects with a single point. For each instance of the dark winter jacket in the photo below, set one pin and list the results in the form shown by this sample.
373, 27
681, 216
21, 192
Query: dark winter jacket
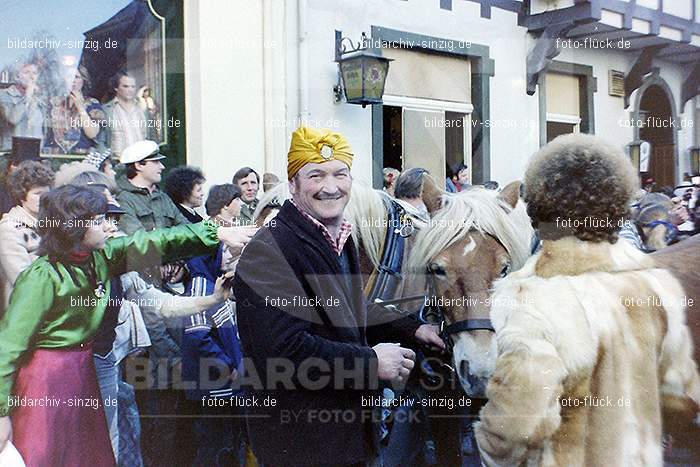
303, 324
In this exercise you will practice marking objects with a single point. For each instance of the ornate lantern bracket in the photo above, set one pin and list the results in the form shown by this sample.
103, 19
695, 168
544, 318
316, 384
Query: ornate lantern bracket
362, 71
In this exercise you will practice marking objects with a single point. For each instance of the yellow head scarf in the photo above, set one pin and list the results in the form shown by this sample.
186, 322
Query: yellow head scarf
310, 145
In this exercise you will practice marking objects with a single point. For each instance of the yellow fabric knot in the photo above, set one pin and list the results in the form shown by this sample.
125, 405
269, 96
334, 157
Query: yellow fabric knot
310, 145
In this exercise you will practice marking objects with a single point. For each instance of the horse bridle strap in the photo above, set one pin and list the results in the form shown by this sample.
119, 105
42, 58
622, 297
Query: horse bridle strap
390, 270
474, 324
438, 314
388, 274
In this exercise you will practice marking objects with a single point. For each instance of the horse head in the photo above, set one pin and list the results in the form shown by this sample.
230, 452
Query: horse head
475, 238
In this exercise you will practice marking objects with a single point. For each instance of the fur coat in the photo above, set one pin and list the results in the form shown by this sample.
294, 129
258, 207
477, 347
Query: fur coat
593, 353
19, 243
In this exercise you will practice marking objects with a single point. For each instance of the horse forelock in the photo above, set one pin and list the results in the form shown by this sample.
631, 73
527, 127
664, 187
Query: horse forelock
475, 210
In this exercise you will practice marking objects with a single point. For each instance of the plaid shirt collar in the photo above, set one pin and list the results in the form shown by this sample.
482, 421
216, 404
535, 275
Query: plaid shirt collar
343, 233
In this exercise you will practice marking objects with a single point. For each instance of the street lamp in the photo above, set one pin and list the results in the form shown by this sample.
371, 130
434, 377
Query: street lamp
362, 72
640, 155
694, 152
634, 152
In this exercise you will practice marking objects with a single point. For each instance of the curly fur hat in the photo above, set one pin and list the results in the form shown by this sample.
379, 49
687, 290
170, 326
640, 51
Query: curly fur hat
581, 183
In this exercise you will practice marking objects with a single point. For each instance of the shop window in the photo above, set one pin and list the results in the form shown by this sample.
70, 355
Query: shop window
69, 59
427, 111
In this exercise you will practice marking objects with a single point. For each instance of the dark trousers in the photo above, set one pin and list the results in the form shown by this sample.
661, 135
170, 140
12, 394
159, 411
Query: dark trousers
159, 410
210, 436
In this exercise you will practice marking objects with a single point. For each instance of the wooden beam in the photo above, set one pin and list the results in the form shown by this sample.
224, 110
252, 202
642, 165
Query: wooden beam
691, 86
641, 67
543, 52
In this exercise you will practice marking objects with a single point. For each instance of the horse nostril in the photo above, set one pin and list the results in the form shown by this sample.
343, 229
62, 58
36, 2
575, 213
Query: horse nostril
463, 370
477, 385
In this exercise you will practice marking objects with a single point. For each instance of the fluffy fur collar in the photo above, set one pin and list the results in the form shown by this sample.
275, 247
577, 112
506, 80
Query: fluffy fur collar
570, 256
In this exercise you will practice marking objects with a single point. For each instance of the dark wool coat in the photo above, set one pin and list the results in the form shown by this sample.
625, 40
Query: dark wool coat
318, 417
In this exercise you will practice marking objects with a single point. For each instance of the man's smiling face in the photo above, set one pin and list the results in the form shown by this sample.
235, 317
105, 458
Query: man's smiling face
322, 190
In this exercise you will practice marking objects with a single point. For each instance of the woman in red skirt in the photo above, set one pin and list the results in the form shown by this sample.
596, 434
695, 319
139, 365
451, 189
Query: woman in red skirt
50, 404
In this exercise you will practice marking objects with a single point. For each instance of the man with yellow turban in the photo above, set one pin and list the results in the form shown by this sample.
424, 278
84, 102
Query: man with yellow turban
303, 320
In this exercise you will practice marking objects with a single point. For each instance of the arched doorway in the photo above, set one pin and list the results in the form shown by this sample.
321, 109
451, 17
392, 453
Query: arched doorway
656, 114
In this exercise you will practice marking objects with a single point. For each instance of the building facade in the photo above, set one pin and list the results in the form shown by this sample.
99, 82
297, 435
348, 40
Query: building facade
486, 83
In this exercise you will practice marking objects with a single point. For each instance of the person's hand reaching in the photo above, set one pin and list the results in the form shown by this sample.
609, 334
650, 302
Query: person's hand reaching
236, 237
222, 287
429, 334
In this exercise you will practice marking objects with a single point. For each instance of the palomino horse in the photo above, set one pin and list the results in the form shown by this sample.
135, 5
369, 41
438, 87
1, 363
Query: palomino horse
474, 238
683, 261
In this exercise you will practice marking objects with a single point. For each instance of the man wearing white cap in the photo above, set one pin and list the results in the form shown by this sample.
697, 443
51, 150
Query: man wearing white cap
146, 206
149, 208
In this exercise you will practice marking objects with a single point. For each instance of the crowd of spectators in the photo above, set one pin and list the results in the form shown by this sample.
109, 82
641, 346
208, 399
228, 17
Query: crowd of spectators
170, 316
166, 318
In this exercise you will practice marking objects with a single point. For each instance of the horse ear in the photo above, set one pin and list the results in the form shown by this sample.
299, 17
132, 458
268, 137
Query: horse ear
511, 193
431, 194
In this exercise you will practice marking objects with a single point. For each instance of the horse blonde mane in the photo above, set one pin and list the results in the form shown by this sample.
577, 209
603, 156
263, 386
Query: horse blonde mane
480, 210
275, 196
366, 212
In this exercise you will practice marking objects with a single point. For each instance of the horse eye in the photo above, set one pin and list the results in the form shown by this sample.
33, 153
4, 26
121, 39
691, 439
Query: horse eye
437, 269
505, 270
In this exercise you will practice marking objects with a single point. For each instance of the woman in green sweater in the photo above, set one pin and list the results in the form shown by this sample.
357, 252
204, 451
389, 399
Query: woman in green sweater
48, 383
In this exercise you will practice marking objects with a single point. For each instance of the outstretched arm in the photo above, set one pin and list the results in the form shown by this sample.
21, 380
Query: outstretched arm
143, 249
169, 306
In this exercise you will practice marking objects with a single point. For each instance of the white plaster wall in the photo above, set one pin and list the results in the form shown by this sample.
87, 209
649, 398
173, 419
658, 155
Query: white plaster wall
224, 86
681, 8
511, 145
611, 118
608, 110
225, 78
508, 46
